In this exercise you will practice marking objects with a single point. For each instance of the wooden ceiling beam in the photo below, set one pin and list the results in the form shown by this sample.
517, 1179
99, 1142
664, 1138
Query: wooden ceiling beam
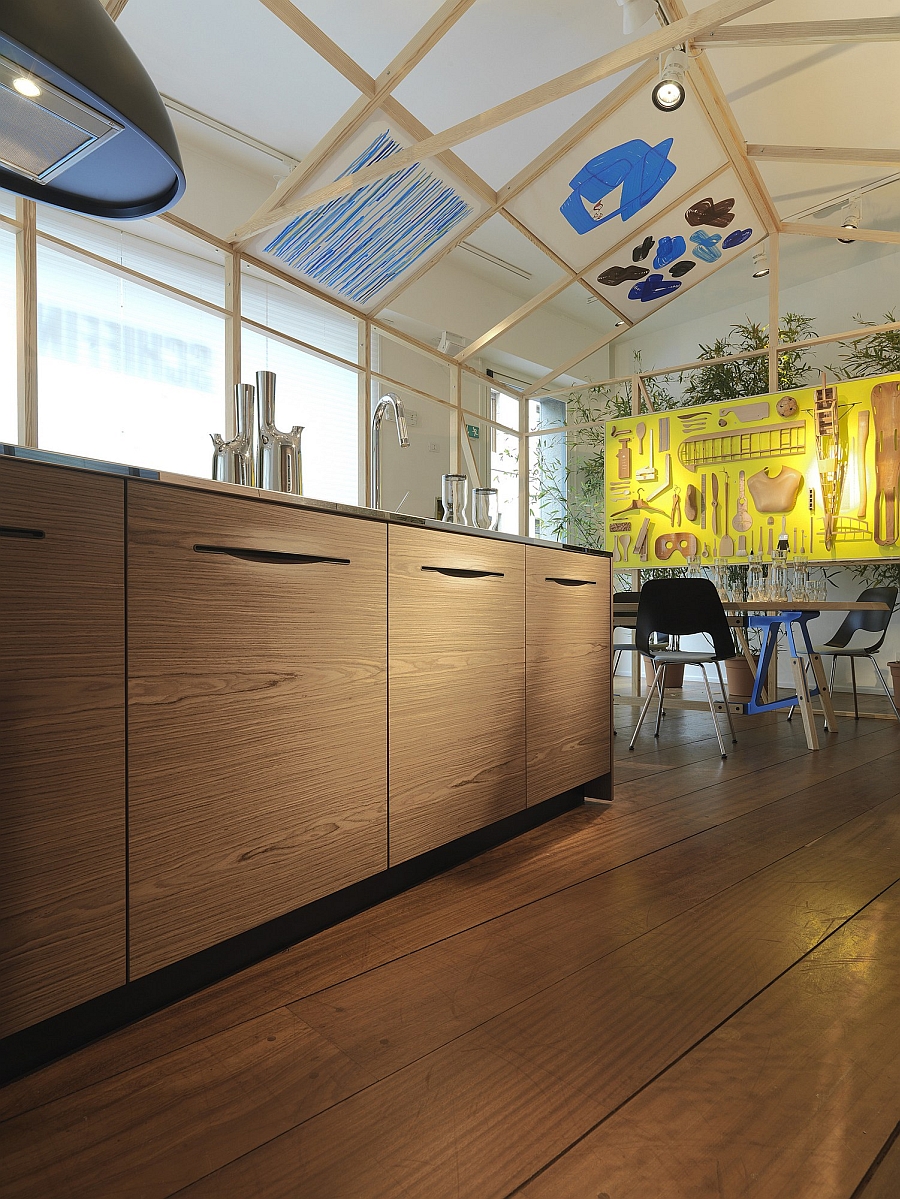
803, 33
888, 237
375, 93
115, 8
831, 155
624, 58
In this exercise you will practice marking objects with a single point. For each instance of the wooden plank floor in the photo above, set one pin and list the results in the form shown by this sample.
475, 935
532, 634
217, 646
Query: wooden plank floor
694, 991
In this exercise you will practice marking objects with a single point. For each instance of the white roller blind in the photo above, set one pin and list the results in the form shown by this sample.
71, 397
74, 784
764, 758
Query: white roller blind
125, 373
8, 419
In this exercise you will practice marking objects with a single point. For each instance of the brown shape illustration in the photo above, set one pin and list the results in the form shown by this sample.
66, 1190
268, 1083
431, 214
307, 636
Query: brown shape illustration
711, 212
615, 275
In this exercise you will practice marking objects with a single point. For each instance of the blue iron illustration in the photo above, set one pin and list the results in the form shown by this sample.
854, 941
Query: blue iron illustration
707, 245
668, 250
641, 169
652, 288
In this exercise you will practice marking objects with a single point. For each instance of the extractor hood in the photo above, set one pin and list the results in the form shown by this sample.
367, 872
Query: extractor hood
81, 124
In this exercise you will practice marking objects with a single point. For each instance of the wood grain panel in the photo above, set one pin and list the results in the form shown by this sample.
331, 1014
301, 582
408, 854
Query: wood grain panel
62, 740
568, 677
257, 715
457, 687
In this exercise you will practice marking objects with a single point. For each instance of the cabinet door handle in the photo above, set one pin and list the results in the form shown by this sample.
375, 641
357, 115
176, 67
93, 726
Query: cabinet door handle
24, 534
572, 582
275, 556
457, 572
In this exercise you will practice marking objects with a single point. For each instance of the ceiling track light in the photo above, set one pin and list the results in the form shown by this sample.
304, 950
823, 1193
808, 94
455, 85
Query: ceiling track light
760, 263
851, 218
669, 91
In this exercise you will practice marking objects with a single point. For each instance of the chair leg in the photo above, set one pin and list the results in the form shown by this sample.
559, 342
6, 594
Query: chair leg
712, 711
661, 688
885, 686
725, 702
644, 709
853, 680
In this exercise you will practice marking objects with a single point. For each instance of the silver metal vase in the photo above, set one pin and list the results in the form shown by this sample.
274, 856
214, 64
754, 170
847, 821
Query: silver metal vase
279, 463
233, 461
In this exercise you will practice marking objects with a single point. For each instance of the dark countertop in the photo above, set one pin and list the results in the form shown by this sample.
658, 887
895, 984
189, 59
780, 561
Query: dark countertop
198, 484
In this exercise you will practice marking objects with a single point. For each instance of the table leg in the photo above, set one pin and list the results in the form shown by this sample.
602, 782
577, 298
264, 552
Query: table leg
750, 658
818, 670
805, 704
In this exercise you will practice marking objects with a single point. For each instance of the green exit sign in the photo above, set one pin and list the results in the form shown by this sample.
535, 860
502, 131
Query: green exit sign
473, 431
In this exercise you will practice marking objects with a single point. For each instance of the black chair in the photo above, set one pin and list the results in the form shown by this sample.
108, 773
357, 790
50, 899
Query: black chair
678, 608
863, 622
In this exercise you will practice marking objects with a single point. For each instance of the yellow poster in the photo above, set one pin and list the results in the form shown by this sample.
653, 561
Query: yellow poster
813, 472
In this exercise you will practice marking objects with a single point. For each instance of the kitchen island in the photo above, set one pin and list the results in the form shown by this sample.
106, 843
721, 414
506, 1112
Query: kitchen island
233, 717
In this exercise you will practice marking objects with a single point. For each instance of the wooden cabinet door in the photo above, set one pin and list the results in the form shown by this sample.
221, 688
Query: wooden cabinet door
257, 714
62, 740
568, 604
457, 686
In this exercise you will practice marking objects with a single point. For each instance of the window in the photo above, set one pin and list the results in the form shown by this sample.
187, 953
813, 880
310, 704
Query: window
323, 398
125, 373
8, 417
299, 314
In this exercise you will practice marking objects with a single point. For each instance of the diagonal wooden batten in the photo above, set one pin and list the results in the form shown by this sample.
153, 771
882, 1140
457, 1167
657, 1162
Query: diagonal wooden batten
574, 360
804, 33
115, 8
375, 93
564, 85
515, 318
319, 41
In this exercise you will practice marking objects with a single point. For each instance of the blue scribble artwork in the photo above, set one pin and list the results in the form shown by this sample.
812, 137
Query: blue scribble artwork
707, 245
358, 244
652, 288
641, 169
737, 238
668, 250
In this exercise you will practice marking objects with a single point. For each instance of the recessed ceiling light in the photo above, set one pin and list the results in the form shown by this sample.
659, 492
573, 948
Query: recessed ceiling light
669, 90
26, 87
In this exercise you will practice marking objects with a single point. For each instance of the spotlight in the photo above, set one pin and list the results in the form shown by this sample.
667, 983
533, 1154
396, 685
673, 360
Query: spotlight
760, 263
636, 14
26, 87
669, 90
851, 218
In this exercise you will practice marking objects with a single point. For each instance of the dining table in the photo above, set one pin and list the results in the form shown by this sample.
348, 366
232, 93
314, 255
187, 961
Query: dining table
775, 619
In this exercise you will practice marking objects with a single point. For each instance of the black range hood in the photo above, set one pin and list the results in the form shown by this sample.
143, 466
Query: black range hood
82, 126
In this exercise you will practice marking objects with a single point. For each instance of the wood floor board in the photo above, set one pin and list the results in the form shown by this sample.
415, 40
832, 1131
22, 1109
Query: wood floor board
390, 1016
147, 1133
578, 846
791, 1098
577, 1049
882, 1179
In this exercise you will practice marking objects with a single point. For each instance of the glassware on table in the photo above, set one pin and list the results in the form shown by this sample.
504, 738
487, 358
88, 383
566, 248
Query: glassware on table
485, 507
454, 497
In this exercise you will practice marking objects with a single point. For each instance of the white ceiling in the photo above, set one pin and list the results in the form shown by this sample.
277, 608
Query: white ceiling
236, 62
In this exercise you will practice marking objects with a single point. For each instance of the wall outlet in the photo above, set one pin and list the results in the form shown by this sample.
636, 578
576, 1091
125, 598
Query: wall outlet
432, 447
412, 418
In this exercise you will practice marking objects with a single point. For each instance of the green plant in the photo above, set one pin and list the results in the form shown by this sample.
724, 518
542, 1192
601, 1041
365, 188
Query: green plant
750, 376
877, 574
875, 354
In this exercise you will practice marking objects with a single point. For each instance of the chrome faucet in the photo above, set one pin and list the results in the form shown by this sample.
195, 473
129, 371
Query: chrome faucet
386, 401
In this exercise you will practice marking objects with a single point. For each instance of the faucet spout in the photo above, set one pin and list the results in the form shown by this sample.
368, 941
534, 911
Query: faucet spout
395, 404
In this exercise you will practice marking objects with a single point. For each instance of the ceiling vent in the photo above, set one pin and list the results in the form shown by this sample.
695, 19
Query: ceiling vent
452, 344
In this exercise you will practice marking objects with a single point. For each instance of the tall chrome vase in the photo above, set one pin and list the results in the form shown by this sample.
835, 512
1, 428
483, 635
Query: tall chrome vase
279, 462
233, 461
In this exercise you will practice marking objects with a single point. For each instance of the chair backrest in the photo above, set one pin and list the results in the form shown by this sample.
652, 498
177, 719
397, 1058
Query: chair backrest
678, 607
868, 622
